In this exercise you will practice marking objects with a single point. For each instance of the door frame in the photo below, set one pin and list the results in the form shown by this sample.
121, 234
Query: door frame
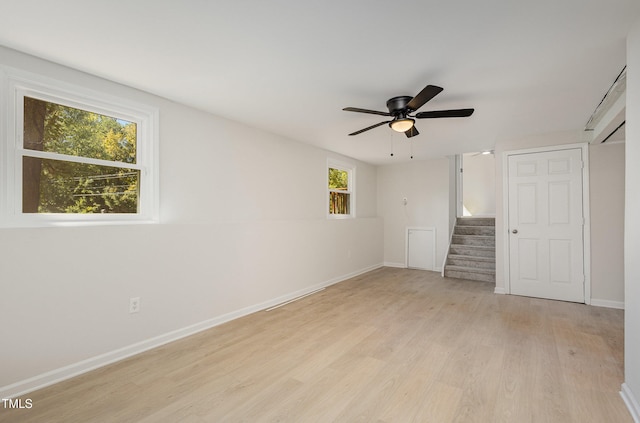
459, 186
586, 228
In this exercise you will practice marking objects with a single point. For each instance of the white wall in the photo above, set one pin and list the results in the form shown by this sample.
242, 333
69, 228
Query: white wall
243, 225
606, 182
631, 388
607, 288
425, 184
479, 184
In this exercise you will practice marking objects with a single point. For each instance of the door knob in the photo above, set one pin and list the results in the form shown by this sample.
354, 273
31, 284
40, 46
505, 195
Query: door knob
515, 231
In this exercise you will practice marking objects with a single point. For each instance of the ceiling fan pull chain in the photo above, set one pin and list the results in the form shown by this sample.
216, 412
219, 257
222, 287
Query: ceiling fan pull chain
391, 143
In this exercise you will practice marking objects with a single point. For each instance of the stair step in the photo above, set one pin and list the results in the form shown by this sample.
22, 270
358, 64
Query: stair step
471, 261
470, 273
480, 240
473, 250
473, 276
475, 230
470, 269
476, 221
490, 259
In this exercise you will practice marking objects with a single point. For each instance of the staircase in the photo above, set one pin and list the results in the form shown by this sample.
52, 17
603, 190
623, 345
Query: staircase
472, 254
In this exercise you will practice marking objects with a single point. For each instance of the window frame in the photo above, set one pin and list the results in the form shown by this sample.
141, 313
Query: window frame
17, 84
351, 180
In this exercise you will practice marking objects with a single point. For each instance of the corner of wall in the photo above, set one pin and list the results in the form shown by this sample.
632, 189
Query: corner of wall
631, 402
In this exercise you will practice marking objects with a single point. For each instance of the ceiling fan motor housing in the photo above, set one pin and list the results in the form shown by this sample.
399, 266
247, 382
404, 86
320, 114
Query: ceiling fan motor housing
398, 105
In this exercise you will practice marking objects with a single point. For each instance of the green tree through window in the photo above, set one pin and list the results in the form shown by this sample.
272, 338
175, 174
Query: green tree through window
56, 185
339, 192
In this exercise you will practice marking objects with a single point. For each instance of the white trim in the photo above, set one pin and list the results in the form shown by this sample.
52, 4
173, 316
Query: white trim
631, 402
77, 159
607, 303
294, 299
505, 225
459, 185
392, 264
58, 375
499, 290
446, 256
586, 228
406, 245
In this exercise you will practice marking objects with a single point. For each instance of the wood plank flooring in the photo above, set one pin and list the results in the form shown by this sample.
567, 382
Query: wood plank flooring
392, 345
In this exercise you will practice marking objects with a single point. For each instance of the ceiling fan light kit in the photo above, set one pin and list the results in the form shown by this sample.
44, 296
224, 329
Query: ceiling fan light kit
402, 125
401, 107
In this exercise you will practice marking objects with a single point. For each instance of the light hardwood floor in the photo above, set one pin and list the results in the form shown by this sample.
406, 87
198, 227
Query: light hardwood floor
392, 345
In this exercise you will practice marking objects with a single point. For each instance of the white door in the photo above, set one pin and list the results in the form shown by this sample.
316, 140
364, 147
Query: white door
546, 248
421, 248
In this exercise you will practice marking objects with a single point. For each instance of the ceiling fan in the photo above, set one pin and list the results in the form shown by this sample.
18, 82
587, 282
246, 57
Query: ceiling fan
400, 108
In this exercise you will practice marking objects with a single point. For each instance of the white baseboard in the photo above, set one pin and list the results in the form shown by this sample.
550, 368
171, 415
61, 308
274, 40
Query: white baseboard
500, 290
58, 375
631, 402
607, 303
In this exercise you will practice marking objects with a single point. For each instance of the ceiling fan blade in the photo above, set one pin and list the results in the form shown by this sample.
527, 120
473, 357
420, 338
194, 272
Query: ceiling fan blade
369, 127
411, 132
425, 95
372, 112
445, 113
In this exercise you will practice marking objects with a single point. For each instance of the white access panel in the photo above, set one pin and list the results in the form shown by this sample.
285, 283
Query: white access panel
421, 248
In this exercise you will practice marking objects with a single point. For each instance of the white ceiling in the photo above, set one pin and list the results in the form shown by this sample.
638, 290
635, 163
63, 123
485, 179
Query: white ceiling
290, 66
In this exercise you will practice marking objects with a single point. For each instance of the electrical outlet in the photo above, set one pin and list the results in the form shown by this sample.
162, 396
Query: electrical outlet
134, 304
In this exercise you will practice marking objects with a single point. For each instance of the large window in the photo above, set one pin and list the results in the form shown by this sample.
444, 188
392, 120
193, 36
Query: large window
341, 195
75, 156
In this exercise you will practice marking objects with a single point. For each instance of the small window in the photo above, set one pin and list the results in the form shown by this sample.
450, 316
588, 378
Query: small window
74, 157
340, 190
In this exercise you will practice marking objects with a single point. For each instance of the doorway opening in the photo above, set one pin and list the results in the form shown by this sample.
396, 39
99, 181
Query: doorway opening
476, 184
